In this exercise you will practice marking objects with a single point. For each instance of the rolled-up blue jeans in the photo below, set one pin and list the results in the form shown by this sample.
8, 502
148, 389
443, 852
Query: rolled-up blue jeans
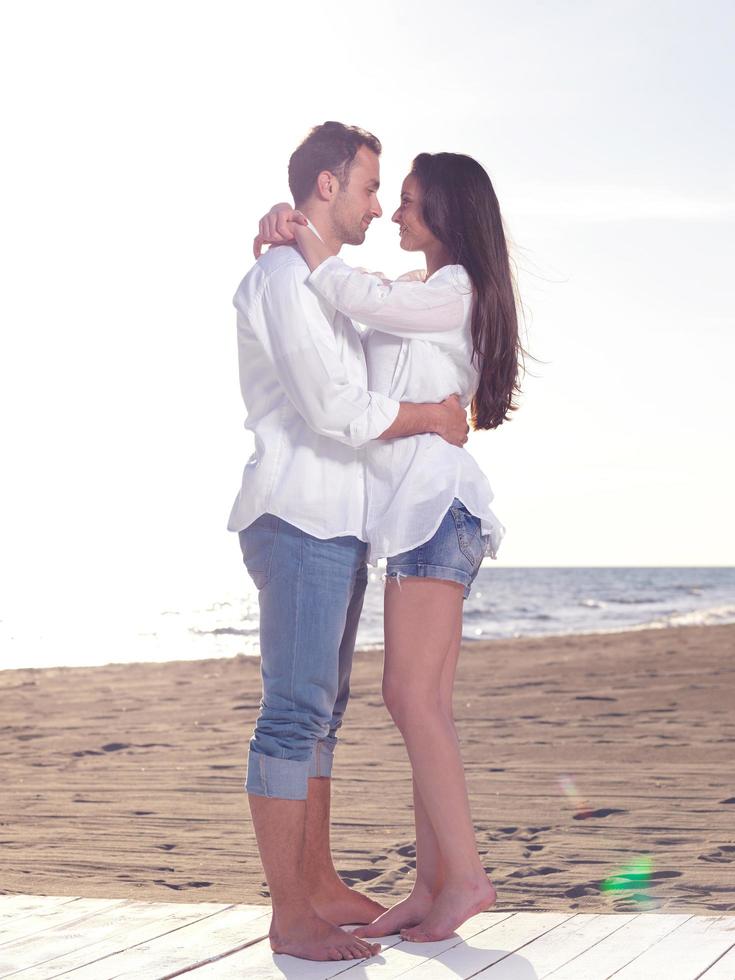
310, 592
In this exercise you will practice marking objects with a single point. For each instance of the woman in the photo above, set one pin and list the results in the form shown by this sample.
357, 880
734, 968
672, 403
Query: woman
451, 329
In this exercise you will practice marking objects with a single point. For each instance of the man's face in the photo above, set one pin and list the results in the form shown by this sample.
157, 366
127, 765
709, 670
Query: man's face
356, 205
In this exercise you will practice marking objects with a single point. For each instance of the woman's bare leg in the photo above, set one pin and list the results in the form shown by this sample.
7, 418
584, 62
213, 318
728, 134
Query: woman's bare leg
429, 870
423, 628
429, 865
429, 861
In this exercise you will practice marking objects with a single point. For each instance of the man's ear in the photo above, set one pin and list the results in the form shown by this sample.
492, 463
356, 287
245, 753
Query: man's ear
327, 185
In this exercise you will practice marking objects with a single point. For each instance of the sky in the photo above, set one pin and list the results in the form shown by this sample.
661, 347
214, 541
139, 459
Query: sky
143, 142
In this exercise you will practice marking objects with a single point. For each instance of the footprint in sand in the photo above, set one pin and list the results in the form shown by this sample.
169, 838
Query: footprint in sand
361, 874
725, 854
517, 833
657, 876
578, 891
184, 885
533, 872
604, 812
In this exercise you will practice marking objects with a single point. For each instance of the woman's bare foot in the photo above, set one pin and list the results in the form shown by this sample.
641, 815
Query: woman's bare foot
453, 905
403, 915
312, 938
344, 906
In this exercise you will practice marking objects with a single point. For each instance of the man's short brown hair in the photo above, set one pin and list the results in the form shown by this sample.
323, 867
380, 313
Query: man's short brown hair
331, 146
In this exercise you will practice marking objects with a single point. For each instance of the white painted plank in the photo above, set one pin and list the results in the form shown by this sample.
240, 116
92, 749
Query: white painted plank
723, 969
403, 957
69, 947
686, 952
17, 907
620, 947
101, 939
12, 931
563, 943
499, 942
178, 950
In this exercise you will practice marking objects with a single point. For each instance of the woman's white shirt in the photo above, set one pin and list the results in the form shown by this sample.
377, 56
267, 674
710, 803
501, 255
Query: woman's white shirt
418, 347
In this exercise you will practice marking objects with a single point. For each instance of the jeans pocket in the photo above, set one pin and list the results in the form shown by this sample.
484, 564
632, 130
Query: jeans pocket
257, 543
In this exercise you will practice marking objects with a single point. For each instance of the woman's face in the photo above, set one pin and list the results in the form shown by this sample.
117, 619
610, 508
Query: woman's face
415, 236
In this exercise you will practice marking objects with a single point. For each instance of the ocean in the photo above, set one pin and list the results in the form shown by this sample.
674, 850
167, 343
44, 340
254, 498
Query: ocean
505, 603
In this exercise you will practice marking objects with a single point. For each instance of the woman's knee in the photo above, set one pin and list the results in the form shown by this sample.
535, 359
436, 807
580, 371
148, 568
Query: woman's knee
410, 702
392, 697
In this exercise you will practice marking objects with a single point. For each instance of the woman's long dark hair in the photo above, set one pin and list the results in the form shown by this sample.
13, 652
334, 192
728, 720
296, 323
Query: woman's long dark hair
461, 210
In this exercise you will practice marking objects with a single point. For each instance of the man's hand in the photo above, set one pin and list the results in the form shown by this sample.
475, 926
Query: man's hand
276, 227
453, 425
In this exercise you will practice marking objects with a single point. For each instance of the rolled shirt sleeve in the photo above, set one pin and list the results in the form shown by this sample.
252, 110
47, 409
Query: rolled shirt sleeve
404, 308
299, 340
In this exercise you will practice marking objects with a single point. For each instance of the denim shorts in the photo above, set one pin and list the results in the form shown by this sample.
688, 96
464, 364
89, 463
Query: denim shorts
454, 553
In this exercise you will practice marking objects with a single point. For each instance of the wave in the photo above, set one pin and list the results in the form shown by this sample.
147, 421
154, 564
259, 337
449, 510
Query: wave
716, 615
695, 617
225, 631
633, 600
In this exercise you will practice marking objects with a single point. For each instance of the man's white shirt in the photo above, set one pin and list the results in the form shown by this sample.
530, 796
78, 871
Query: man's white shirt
303, 379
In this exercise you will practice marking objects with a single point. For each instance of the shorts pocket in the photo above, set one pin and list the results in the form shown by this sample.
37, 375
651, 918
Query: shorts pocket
469, 534
257, 543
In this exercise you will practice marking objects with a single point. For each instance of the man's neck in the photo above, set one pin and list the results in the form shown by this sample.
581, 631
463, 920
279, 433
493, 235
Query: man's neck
321, 223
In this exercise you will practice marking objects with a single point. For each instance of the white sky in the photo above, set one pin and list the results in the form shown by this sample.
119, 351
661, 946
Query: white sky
143, 141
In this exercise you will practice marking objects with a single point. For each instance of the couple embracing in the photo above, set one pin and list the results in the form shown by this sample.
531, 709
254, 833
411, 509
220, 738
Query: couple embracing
356, 389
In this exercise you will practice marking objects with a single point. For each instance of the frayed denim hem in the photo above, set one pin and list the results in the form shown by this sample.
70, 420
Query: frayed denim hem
431, 571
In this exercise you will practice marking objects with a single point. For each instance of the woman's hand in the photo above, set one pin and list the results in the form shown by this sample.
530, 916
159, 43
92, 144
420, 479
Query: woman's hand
452, 426
277, 227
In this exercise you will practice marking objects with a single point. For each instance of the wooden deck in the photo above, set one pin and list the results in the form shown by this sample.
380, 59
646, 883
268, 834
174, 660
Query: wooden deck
98, 939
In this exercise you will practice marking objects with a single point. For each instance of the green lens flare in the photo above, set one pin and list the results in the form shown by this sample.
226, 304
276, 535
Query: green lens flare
635, 875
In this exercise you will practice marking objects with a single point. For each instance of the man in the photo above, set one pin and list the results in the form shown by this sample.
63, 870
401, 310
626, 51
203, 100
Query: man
300, 514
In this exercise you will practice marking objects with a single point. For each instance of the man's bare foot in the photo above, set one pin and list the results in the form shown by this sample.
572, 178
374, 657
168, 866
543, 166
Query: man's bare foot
403, 915
344, 906
454, 904
312, 938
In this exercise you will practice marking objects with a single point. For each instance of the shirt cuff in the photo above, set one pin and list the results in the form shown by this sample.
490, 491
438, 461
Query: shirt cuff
380, 414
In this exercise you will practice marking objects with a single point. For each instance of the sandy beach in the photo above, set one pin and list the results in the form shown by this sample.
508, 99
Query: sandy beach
586, 755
